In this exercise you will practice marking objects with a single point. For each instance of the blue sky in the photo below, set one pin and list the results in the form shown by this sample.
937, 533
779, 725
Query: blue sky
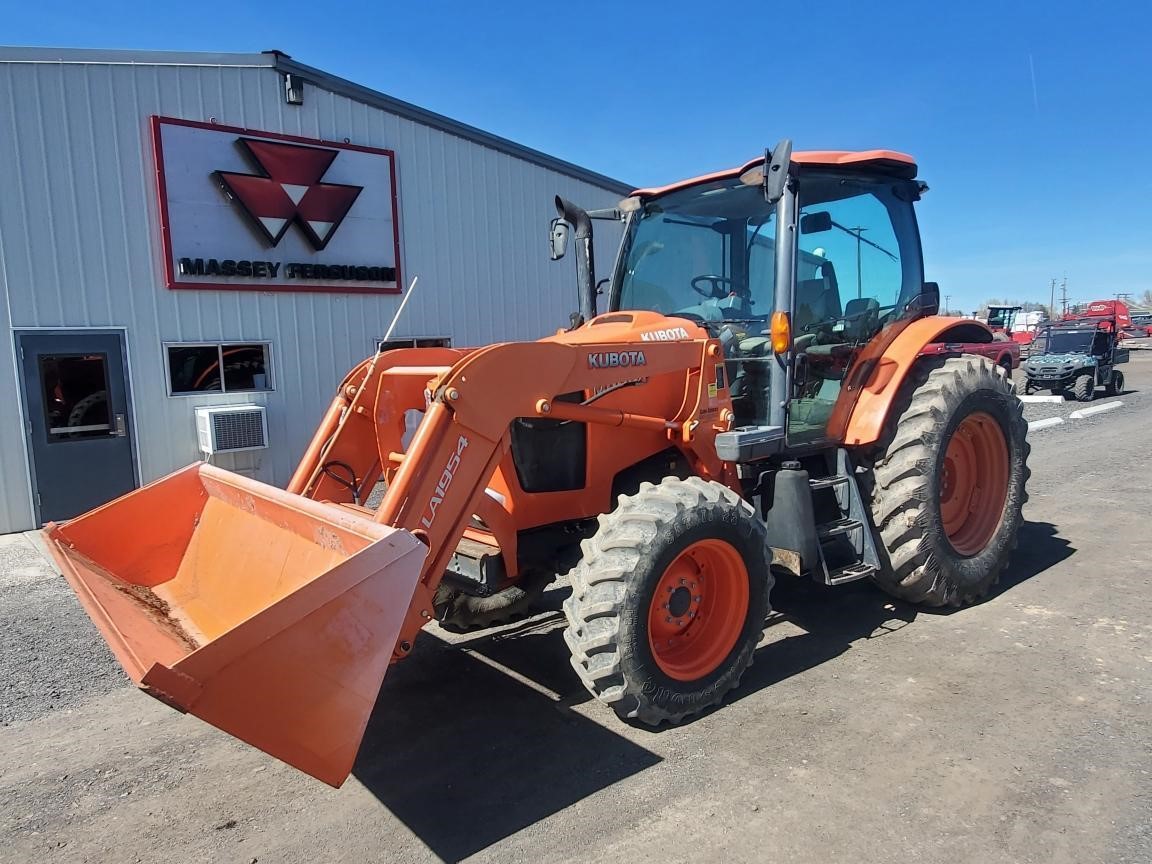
1032, 121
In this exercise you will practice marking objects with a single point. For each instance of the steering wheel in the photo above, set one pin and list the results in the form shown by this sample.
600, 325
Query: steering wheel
713, 292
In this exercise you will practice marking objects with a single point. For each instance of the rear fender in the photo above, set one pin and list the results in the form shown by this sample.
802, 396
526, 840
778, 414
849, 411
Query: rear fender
878, 373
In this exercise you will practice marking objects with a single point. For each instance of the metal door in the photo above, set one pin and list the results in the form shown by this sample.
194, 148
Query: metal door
76, 408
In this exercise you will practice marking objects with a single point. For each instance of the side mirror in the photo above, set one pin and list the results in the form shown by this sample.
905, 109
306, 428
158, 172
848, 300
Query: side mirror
777, 171
927, 302
558, 238
772, 173
815, 223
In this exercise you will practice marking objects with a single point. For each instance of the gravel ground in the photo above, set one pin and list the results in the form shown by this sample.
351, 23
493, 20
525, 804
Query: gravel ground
1017, 730
43, 666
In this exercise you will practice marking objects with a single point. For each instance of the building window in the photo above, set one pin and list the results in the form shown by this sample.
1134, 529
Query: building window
414, 342
225, 367
75, 396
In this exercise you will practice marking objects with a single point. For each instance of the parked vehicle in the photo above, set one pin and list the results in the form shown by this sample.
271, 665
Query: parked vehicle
1141, 324
737, 413
1005, 323
1076, 356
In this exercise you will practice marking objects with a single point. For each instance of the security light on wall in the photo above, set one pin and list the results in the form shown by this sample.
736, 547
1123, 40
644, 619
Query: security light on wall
293, 90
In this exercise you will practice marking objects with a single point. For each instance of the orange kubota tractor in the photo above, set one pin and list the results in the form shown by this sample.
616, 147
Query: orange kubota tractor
770, 391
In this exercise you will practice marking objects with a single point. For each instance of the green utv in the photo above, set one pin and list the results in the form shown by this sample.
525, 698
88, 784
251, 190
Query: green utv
1075, 357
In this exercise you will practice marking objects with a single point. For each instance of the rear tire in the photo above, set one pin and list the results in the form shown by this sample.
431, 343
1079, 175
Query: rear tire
948, 483
464, 613
669, 600
1116, 385
1084, 388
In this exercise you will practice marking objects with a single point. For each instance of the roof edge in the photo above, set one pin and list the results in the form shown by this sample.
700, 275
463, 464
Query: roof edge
904, 164
131, 57
367, 95
334, 83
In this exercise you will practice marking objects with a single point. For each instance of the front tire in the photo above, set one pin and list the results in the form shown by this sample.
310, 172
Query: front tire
1116, 385
948, 483
1084, 388
669, 600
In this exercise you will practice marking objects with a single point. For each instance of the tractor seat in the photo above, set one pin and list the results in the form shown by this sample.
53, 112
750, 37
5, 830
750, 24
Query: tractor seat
860, 318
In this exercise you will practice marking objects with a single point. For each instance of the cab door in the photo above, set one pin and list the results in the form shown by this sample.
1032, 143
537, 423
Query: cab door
858, 260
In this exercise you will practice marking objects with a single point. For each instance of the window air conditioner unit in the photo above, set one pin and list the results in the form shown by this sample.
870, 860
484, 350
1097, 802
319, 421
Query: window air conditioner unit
231, 428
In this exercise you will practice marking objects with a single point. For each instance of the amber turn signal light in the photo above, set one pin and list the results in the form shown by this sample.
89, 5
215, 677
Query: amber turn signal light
781, 333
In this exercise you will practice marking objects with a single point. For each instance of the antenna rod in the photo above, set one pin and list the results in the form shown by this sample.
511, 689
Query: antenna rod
399, 312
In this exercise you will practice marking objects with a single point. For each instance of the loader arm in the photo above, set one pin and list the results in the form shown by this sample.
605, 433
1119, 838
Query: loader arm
442, 477
365, 422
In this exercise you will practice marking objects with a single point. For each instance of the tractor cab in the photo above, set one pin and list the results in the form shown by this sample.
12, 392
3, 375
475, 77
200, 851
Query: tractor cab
833, 261
1002, 319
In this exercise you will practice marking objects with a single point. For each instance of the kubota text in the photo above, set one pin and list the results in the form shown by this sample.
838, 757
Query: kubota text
669, 334
614, 359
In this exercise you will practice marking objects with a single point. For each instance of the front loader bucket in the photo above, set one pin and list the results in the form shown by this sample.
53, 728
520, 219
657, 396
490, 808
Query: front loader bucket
270, 616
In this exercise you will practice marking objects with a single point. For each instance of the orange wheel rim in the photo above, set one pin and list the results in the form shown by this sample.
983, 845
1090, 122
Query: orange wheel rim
698, 610
974, 483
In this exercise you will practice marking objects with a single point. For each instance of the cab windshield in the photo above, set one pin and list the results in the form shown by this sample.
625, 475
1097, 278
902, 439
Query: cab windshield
706, 252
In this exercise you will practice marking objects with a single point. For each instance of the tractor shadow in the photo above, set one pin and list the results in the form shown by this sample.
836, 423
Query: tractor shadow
469, 744
473, 738
832, 619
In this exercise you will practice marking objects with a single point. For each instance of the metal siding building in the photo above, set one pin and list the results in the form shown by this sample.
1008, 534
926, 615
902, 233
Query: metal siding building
80, 243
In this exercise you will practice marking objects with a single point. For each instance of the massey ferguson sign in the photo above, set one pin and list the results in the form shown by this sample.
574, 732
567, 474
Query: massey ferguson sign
256, 211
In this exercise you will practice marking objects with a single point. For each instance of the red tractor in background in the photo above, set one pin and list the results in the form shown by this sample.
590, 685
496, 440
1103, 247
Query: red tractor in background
1002, 322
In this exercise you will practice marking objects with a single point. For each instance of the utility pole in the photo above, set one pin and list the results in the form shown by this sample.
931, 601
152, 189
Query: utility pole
1124, 295
1052, 302
1064, 296
947, 303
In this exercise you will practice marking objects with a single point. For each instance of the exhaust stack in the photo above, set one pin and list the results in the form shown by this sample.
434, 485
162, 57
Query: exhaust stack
585, 254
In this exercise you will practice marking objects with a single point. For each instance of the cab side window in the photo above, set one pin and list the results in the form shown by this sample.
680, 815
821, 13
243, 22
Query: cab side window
858, 256
857, 261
